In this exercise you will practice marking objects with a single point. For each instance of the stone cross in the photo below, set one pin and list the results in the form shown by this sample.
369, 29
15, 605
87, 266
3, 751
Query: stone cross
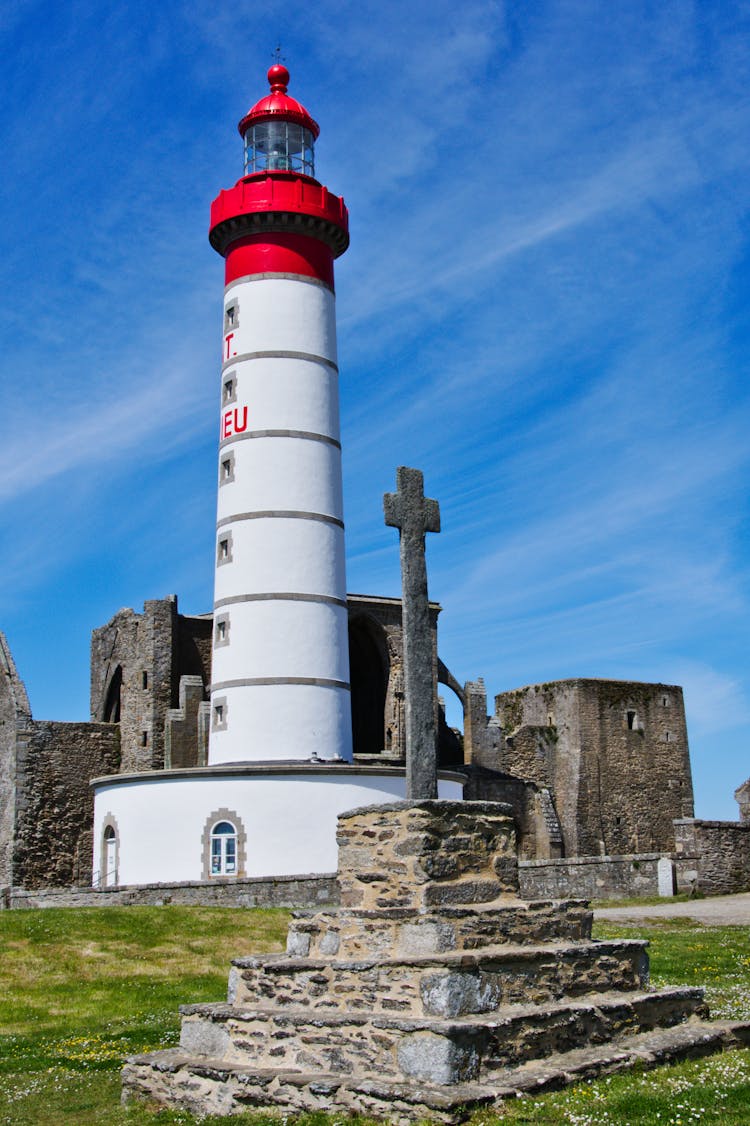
413, 514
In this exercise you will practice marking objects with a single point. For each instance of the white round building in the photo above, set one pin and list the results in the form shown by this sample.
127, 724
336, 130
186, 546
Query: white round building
280, 748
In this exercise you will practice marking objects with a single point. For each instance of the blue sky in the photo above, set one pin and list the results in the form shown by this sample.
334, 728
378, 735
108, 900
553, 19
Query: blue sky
544, 307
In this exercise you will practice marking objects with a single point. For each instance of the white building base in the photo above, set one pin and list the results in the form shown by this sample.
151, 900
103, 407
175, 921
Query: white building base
158, 827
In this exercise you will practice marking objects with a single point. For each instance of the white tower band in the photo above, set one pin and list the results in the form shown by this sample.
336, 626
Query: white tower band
280, 679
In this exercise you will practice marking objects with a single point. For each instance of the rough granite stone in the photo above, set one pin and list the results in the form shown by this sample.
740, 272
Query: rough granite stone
414, 514
510, 998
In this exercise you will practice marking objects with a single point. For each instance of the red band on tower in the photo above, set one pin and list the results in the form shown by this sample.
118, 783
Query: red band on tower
279, 253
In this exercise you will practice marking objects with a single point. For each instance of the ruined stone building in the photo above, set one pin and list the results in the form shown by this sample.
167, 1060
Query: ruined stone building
590, 767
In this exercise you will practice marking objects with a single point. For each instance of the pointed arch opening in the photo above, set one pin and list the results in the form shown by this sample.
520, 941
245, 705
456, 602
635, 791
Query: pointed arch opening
369, 667
112, 700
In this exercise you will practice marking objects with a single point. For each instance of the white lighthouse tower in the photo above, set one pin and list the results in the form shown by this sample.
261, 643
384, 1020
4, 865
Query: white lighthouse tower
279, 767
280, 680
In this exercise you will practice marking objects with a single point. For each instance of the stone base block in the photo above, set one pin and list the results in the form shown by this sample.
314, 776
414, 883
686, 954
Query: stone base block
405, 933
418, 854
443, 1050
453, 984
210, 1086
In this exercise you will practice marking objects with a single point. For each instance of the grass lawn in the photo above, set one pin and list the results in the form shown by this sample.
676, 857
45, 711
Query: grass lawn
80, 989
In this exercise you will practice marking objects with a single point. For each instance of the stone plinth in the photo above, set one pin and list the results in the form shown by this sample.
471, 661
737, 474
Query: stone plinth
424, 854
432, 991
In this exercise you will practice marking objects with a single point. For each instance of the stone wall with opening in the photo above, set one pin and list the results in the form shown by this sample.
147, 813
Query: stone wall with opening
614, 755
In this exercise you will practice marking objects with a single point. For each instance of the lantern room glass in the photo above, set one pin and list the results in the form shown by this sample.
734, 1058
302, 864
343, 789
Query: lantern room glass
279, 146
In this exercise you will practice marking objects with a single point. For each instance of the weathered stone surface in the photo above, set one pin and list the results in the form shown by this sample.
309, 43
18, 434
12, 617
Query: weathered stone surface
446, 984
590, 877
250, 891
367, 934
717, 851
15, 716
666, 876
414, 514
205, 1038
213, 1087
614, 753
742, 797
500, 999
437, 1059
54, 803
401, 854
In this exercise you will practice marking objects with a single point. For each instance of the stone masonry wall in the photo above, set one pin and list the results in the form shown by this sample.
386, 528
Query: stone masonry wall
717, 851
279, 891
590, 877
536, 837
614, 754
54, 803
138, 653
15, 716
742, 797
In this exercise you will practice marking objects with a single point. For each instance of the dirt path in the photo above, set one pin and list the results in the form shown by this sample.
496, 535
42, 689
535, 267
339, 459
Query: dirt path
718, 910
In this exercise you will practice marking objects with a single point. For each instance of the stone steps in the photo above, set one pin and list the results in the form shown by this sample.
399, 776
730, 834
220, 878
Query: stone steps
409, 1003
405, 932
450, 984
446, 1050
211, 1086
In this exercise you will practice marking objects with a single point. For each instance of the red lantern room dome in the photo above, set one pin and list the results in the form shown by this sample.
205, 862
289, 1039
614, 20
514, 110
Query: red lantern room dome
278, 106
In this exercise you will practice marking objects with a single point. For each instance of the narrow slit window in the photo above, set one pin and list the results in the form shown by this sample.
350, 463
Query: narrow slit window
144, 738
145, 679
221, 630
631, 721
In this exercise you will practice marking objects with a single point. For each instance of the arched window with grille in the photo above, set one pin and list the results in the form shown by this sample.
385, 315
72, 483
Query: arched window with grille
224, 849
224, 840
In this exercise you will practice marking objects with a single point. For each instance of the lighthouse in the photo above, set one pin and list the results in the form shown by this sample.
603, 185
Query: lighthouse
280, 667
264, 800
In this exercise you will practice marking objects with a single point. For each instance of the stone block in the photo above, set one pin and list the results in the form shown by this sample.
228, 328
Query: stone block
436, 1059
666, 876
204, 1038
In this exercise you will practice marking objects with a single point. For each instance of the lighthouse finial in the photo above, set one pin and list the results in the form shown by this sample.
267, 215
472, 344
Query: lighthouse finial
278, 75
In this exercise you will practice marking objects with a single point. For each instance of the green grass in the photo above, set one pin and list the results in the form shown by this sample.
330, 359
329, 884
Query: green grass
648, 900
80, 989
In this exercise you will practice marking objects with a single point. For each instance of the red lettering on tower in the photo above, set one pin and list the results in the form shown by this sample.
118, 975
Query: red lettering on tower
231, 422
227, 341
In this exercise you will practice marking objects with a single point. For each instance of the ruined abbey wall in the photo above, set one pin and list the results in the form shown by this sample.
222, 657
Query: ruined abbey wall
46, 803
614, 755
590, 768
137, 661
15, 716
54, 802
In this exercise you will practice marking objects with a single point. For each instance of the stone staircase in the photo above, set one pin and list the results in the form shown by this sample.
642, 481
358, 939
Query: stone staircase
432, 990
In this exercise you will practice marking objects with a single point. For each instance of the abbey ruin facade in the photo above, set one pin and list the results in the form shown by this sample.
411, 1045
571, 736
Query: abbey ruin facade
591, 768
